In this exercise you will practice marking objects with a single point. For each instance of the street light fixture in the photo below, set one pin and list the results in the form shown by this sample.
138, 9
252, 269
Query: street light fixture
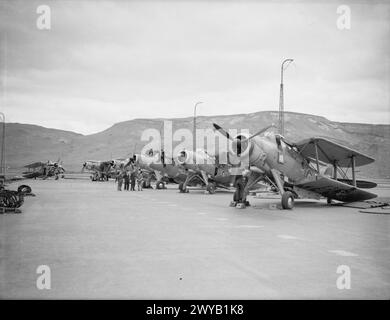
281, 98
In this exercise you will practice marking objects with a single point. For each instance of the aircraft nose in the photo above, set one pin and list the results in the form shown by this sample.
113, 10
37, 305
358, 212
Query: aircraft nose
240, 145
182, 158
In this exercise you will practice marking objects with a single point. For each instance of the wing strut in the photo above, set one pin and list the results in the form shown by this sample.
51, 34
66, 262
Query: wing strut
335, 169
353, 171
316, 149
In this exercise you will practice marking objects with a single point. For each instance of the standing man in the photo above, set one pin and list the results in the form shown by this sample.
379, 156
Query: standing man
127, 180
140, 180
132, 179
120, 181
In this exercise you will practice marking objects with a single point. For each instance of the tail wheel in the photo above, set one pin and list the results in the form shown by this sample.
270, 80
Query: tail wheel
288, 200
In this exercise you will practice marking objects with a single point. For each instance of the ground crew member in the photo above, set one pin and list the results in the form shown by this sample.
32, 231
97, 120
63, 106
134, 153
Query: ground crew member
127, 180
120, 182
140, 180
132, 180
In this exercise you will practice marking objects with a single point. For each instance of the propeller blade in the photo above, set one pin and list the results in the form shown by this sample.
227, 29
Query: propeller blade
222, 131
259, 132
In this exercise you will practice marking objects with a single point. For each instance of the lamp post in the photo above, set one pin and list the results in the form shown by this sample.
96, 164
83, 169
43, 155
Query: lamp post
281, 99
2, 160
2, 116
194, 131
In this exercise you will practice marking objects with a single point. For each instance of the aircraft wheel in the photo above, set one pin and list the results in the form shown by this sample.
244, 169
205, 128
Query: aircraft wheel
211, 188
287, 200
328, 200
160, 185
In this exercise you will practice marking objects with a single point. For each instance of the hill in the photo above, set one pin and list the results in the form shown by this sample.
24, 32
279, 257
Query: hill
29, 143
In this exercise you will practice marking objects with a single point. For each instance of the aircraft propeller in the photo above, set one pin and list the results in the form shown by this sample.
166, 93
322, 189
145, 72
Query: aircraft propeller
226, 134
222, 131
260, 132
240, 140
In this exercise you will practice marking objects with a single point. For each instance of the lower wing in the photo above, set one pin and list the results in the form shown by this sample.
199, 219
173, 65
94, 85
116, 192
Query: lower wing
337, 190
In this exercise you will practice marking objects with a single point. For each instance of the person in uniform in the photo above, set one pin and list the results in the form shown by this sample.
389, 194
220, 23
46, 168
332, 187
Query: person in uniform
127, 180
132, 179
120, 181
140, 180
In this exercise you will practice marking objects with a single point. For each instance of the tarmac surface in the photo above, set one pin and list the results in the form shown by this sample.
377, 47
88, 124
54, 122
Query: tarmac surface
160, 244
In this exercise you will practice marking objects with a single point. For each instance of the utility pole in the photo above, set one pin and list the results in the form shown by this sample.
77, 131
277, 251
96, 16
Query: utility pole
2, 116
2, 160
194, 132
281, 98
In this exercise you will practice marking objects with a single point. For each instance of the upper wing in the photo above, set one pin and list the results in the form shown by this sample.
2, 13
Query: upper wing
337, 190
329, 151
34, 165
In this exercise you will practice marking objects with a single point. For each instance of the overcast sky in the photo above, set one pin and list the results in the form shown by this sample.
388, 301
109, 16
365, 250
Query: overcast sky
106, 62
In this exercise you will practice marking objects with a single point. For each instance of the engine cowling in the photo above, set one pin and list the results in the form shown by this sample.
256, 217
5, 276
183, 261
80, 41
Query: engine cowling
249, 152
241, 146
184, 157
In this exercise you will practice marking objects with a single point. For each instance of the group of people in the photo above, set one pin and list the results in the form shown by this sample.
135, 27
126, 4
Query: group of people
130, 178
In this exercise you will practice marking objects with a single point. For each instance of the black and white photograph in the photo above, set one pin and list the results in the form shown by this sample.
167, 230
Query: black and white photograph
226, 150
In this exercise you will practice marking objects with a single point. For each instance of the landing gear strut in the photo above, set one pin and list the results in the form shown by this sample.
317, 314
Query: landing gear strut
183, 188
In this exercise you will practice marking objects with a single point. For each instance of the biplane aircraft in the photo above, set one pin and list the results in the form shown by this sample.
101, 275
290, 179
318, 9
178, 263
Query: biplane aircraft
44, 170
120, 164
143, 162
206, 170
164, 170
167, 169
101, 170
307, 169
